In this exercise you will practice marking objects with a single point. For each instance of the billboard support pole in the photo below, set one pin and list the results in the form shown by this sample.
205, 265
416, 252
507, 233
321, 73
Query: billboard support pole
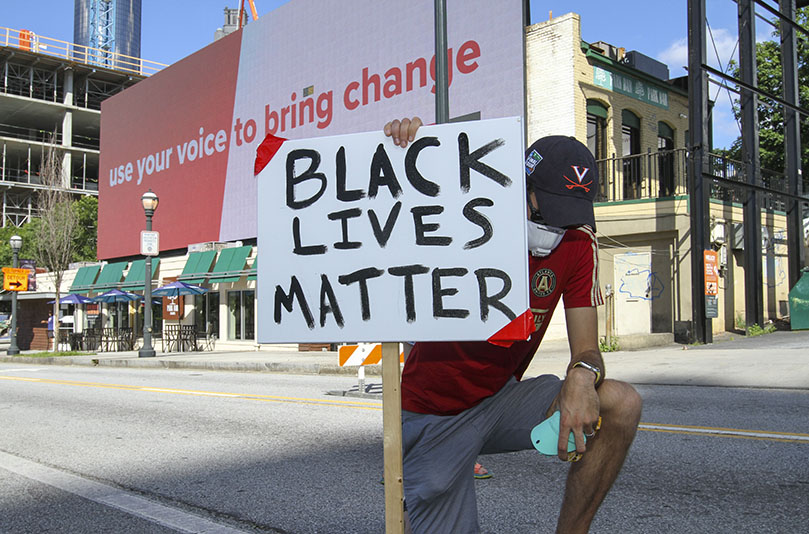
441, 73
391, 394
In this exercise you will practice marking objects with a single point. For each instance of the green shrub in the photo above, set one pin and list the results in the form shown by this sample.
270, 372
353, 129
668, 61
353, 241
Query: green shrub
612, 346
756, 330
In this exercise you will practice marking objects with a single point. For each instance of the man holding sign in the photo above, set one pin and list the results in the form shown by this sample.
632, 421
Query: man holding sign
461, 399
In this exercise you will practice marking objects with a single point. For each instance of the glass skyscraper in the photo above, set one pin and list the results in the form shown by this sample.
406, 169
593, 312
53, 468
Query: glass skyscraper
111, 26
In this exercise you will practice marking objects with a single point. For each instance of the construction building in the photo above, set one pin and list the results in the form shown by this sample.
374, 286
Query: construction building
50, 99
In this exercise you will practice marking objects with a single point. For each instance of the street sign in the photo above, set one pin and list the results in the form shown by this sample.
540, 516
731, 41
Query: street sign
15, 279
711, 284
149, 243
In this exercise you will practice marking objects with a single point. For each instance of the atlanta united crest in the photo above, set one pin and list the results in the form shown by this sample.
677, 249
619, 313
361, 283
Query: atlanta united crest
543, 282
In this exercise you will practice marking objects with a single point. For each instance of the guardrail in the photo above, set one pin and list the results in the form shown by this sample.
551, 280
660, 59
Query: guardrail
31, 42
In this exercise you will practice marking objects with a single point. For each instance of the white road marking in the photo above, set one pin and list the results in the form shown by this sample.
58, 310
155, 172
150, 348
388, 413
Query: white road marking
113, 497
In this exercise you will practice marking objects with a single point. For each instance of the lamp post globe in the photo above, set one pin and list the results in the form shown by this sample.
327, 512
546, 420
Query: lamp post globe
149, 201
16, 245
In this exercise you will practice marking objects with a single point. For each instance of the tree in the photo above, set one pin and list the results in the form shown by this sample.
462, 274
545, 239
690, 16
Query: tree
771, 114
57, 227
84, 242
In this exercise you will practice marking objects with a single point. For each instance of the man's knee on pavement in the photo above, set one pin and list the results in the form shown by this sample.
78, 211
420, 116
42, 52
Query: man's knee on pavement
620, 402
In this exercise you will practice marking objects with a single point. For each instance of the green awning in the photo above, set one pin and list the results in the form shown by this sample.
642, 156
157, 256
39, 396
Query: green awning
664, 130
135, 277
84, 279
110, 276
254, 269
230, 265
594, 107
197, 266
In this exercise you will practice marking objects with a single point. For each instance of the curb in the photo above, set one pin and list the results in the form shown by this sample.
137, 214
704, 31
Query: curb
261, 367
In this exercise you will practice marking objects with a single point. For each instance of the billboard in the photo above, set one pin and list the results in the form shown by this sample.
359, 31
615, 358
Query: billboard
307, 69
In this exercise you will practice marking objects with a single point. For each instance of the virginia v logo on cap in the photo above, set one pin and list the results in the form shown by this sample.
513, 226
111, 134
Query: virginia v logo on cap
581, 172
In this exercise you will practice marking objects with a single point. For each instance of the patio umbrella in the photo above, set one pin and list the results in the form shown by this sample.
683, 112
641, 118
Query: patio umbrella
116, 295
175, 289
72, 299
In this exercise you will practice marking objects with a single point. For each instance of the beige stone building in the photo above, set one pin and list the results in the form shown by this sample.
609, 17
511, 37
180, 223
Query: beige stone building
635, 122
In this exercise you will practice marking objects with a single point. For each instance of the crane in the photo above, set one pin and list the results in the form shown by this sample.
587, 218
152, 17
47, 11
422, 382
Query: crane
252, 11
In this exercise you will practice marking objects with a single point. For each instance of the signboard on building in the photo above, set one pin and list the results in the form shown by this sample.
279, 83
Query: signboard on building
190, 132
173, 308
631, 86
711, 284
372, 242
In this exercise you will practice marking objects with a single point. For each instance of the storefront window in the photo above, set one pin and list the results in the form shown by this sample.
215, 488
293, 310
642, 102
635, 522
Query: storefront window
241, 315
206, 312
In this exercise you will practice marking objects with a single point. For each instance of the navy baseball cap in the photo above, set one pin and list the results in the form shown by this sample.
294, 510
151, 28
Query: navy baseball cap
562, 173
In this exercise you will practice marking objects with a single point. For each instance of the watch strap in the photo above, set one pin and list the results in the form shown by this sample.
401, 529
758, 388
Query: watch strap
590, 367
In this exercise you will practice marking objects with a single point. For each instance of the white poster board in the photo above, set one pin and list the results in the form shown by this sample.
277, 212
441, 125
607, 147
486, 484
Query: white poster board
362, 240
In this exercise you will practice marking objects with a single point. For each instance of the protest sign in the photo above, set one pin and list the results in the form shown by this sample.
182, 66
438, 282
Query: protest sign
367, 241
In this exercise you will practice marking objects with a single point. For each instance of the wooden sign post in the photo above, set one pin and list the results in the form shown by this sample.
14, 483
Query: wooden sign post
372, 241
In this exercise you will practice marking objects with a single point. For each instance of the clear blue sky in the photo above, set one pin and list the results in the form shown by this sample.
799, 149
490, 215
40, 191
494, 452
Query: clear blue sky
173, 29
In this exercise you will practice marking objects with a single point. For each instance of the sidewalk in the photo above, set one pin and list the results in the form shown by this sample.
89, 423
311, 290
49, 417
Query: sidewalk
778, 360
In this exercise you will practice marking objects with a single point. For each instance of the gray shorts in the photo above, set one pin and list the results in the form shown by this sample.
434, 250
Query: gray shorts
439, 452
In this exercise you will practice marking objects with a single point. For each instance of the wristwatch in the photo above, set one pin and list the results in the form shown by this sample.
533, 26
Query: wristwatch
590, 367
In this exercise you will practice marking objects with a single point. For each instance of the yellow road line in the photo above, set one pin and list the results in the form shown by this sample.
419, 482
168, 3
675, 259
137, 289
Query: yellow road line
790, 437
249, 396
726, 432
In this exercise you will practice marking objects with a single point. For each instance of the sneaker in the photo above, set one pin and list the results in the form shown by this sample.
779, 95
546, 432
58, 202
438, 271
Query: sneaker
481, 472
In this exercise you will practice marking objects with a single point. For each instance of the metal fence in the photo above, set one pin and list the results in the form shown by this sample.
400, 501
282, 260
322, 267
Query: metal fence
643, 176
31, 42
664, 174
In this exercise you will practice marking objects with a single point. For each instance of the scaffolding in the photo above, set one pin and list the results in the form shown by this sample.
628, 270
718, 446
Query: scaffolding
50, 99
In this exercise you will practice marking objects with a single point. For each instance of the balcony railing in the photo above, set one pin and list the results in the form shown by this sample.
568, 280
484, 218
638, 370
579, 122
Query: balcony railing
29, 41
662, 174
642, 176
47, 137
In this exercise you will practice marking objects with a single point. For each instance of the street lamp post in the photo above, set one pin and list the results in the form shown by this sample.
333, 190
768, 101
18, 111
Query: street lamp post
149, 201
16, 245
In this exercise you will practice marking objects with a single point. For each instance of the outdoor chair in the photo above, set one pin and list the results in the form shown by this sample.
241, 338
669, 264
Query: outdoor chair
206, 339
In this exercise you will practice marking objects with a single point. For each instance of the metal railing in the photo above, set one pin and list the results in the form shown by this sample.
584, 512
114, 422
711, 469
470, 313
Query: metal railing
733, 170
664, 174
47, 137
31, 42
642, 176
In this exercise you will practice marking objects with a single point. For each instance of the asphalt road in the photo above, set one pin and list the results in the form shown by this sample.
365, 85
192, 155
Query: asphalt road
137, 450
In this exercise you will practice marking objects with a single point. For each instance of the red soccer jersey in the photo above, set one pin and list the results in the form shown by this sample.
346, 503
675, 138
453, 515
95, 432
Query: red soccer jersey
445, 378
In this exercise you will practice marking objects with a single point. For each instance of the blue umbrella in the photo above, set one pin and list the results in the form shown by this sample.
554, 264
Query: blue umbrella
175, 289
116, 295
73, 298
